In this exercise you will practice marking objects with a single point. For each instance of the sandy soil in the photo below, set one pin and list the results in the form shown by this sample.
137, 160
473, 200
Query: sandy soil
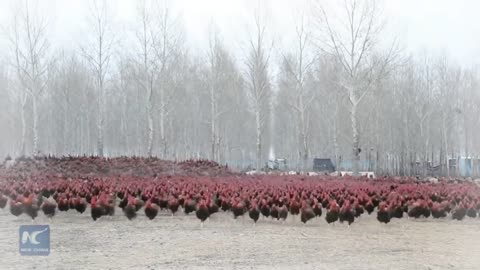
179, 242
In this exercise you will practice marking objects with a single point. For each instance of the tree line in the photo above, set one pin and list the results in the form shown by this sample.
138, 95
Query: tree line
340, 91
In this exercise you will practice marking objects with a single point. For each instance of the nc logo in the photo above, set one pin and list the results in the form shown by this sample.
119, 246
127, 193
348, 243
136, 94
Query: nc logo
32, 236
35, 240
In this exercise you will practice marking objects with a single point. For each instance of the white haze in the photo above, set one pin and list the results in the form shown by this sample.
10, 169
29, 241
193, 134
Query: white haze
423, 109
442, 26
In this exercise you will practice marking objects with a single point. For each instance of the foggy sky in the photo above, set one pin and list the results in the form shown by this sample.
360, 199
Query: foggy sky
438, 26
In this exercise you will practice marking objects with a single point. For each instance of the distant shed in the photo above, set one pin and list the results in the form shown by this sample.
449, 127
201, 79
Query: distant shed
323, 165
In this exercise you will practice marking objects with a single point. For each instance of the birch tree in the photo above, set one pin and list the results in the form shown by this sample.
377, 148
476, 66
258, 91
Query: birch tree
352, 37
31, 51
297, 65
167, 47
424, 107
449, 79
7, 103
215, 72
470, 106
146, 61
219, 79
98, 54
258, 82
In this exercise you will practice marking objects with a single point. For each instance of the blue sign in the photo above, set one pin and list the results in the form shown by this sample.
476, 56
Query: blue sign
35, 240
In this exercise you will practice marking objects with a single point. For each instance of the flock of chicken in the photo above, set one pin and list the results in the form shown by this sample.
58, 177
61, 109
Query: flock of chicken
80, 166
341, 199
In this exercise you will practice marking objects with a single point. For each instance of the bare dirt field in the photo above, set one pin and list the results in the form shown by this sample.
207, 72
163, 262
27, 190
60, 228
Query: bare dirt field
179, 242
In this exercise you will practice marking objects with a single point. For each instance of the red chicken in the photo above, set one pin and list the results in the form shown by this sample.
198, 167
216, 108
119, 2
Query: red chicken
16, 207
459, 212
151, 210
306, 212
283, 212
383, 214
30, 206
317, 208
96, 210
274, 212
138, 204
130, 209
369, 206
212, 207
202, 211
264, 208
80, 205
438, 211
253, 212
108, 204
63, 204
332, 212
173, 205
238, 208
3, 201
48, 208
471, 211
294, 207
190, 206
346, 213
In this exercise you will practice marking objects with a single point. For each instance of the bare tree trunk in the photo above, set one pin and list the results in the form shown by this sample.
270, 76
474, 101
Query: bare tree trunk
35, 125
163, 139
445, 141
258, 81
99, 56
424, 152
305, 153
125, 127
30, 61
303, 134
65, 132
335, 138
24, 129
88, 142
213, 112
138, 135
356, 139
219, 153
351, 38
468, 161
150, 127
100, 123
439, 158
259, 139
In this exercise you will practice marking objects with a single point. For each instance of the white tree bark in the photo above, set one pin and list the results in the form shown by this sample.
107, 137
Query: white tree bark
213, 120
99, 56
146, 38
352, 41
163, 116
30, 45
258, 84
356, 138
298, 66
335, 136
445, 141
214, 61
165, 42
258, 125
24, 125
35, 125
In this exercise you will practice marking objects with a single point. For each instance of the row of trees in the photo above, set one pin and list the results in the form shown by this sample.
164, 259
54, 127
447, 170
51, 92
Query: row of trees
339, 93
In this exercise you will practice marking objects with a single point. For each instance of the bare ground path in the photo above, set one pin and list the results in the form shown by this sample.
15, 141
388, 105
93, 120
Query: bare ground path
179, 242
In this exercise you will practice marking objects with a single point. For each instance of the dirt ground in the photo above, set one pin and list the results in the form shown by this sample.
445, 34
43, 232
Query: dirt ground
179, 242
